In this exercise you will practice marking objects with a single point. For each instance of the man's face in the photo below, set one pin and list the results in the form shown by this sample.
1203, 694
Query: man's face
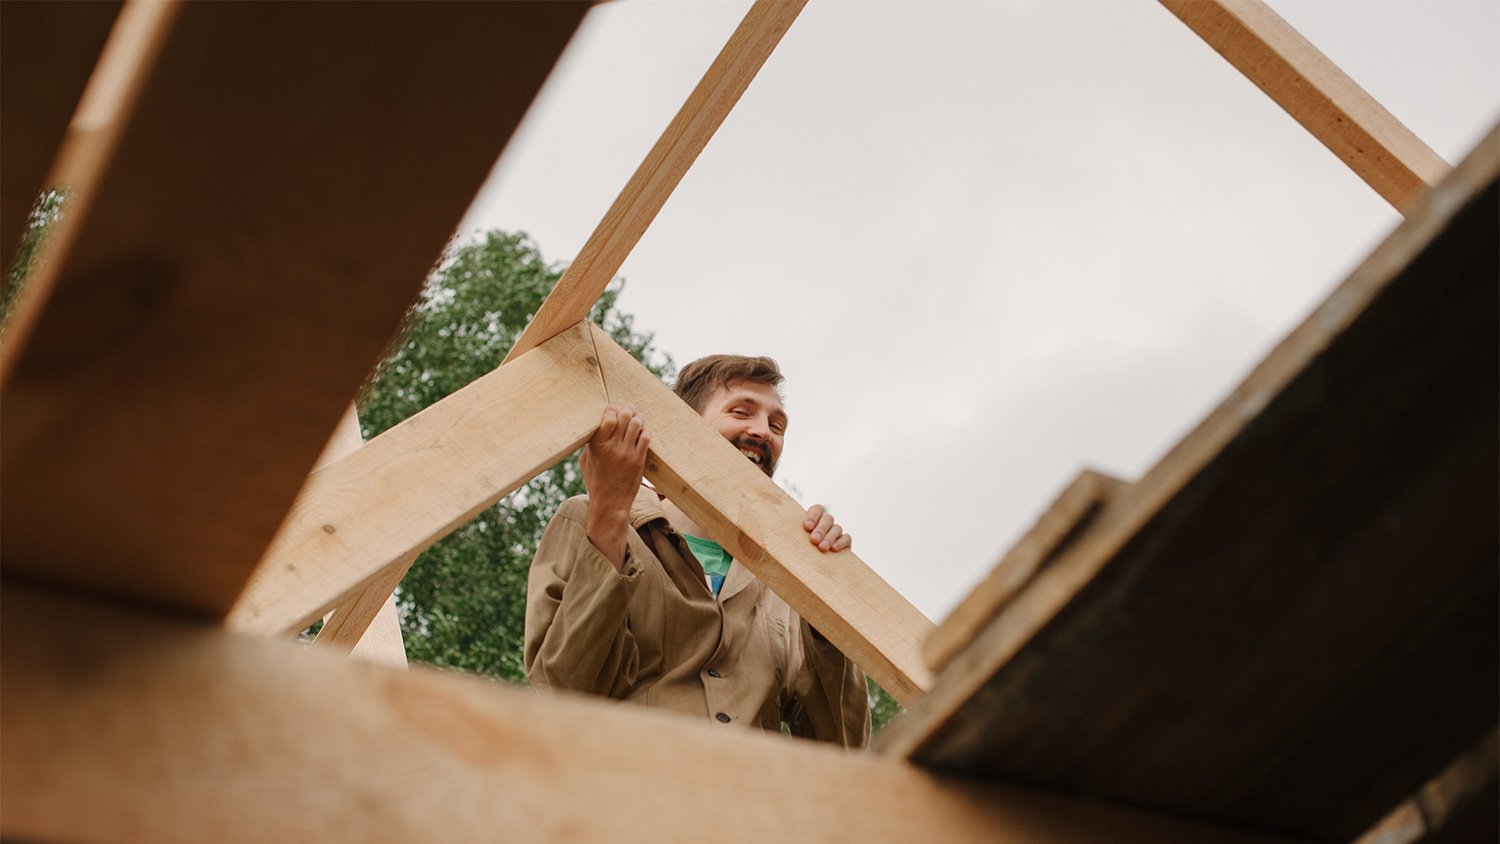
750, 416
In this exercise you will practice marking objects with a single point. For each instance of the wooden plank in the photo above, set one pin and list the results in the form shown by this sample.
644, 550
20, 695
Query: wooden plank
382, 642
1458, 805
346, 626
761, 525
121, 726
653, 182
1317, 94
1074, 510
258, 233
1289, 623
47, 52
376, 508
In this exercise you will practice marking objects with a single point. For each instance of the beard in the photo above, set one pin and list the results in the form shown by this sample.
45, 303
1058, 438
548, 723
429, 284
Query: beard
761, 447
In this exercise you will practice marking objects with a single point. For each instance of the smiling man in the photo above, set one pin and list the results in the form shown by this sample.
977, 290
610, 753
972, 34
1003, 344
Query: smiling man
629, 599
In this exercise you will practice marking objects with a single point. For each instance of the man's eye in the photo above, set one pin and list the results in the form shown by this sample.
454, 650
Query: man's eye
740, 411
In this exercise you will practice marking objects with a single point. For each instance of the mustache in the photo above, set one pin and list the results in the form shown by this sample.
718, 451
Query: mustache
766, 464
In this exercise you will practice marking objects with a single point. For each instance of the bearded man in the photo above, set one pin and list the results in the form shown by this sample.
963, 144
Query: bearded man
628, 599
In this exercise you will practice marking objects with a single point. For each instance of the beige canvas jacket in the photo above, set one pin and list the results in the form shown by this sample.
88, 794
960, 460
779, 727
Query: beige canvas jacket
654, 634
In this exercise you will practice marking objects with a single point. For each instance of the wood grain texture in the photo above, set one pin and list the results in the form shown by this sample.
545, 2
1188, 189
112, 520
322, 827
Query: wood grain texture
348, 628
653, 182
1073, 512
344, 629
1290, 623
126, 727
382, 642
761, 525
259, 231
1317, 94
373, 510
47, 52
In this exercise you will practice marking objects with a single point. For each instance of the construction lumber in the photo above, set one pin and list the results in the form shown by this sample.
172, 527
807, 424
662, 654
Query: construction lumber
658, 175
347, 627
373, 510
1289, 623
119, 725
47, 52
1317, 94
382, 642
1459, 805
1072, 513
258, 232
746, 512
344, 627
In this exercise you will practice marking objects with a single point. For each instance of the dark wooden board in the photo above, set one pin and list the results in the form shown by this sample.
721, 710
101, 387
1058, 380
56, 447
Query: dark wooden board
1307, 630
288, 175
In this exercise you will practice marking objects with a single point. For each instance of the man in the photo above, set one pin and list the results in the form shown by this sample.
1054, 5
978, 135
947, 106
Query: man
629, 599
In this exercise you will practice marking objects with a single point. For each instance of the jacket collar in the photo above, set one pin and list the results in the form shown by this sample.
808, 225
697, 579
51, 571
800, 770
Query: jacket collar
647, 508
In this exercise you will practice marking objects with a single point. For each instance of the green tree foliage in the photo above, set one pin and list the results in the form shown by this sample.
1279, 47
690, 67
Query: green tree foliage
883, 707
463, 603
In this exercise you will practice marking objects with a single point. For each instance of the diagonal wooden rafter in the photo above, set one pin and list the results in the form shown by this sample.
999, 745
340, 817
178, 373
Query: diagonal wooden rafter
1317, 94
622, 227
658, 175
83, 157
383, 503
48, 51
348, 628
761, 525
361, 519
195, 352
124, 712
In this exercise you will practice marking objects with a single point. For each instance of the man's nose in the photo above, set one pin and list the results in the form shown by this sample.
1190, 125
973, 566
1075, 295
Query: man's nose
759, 428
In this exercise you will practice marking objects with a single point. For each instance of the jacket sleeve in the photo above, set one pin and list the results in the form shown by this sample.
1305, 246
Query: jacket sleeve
829, 700
577, 627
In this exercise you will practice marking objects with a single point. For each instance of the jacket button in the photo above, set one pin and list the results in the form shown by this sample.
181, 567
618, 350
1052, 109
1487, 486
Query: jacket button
714, 673
723, 719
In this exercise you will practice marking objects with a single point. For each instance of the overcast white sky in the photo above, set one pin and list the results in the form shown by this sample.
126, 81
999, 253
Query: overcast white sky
991, 243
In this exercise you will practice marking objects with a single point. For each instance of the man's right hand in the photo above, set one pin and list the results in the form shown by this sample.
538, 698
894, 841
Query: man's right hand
613, 462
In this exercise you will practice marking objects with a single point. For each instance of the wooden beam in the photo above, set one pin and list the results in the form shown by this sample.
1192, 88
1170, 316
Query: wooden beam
647, 191
1075, 509
348, 628
1460, 804
382, 642
1289, 622
375, 509
1312, 89
47, 52
762, 526
250, 248
345, 627
120, 726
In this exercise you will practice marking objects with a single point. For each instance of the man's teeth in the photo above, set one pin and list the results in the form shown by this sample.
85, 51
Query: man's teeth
752, 454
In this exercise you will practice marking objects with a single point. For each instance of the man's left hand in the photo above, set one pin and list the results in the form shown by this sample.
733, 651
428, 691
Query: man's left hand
824, 532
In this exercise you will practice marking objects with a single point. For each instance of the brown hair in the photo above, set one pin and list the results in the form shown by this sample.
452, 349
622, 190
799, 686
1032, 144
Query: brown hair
699, 379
